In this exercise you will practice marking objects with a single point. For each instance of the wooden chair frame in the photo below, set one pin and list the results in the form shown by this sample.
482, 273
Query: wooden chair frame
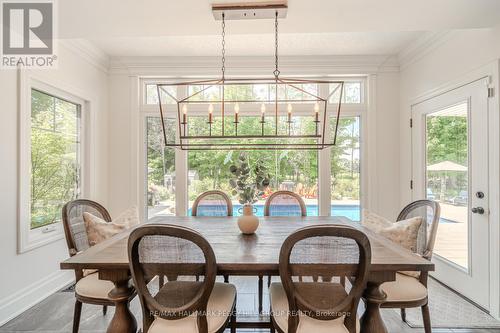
428, 251
200, 301
269, 200
72, 249
267, 207
348, 305
229, 204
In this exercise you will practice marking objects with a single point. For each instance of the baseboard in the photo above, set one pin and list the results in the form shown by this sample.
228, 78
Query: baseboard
15, 304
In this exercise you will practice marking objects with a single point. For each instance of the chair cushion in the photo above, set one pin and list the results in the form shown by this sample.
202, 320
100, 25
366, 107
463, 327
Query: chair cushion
219, 309
279, 308
404, 289
90, 286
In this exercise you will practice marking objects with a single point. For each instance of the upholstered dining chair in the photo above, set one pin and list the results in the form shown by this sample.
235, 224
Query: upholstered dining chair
212, 203
281, 203
185, 304
88, 288
285, 203
409, 291
300, 304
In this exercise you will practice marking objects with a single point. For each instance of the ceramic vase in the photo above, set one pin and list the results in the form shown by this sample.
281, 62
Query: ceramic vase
248, 222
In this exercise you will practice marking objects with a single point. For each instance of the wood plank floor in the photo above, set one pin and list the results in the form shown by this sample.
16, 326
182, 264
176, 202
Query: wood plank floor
55, 314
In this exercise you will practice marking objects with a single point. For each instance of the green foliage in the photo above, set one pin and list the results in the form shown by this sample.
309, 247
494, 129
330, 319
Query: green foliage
248, 184
54, 157
447, 139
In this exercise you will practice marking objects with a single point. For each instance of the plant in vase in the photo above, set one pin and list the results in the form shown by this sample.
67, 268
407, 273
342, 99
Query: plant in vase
249, 185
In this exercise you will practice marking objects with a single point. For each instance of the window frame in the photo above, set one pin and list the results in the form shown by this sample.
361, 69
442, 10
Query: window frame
324, 166
28, 238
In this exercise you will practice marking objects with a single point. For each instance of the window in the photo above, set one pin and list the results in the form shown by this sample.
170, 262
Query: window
345, 168
151, 94
55, 157
294, 170
160, 192
353, 93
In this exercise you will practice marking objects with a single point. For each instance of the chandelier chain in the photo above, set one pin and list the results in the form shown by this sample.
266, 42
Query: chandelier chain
276, 70
223, 46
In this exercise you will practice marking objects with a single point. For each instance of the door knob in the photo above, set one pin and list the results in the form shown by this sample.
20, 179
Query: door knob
478, 210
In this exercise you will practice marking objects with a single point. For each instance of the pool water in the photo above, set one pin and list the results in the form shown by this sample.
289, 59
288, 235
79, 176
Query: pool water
350, 211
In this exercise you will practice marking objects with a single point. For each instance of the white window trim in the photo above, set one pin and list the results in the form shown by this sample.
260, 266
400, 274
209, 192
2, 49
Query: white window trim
30, 239
324, 165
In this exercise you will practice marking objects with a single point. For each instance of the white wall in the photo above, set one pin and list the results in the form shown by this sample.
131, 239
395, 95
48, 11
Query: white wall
452, 59
29, 277
385, 189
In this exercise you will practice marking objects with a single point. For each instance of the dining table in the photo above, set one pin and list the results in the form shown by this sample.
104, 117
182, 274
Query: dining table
246, 255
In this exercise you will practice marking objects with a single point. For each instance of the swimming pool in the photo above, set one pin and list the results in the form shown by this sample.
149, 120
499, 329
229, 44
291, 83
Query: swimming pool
350, 211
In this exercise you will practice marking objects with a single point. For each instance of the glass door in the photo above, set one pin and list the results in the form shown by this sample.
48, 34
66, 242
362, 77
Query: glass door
450, 166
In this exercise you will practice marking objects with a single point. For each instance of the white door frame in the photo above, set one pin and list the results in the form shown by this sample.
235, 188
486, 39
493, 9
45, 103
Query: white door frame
492, 71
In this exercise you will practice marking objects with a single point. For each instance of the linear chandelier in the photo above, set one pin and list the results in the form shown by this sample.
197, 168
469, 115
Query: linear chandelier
252, 113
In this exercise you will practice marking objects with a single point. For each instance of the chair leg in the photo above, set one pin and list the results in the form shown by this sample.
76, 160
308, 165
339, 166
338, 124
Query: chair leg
269, 281
261, 291
76, 316
226, 278
403, 315
161, 281
427, 318
104, 310
233, 321
342, 281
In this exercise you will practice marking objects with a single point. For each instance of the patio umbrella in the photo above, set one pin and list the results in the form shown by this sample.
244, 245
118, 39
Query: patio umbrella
445, 166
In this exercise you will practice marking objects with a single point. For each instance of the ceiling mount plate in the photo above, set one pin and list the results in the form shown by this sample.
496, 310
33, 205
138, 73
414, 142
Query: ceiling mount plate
246, 11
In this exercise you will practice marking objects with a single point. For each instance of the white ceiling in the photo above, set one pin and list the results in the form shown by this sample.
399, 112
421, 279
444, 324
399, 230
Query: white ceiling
312, 27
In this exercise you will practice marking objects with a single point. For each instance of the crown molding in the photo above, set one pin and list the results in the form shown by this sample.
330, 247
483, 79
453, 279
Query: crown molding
422, 46
289, 65
88, 51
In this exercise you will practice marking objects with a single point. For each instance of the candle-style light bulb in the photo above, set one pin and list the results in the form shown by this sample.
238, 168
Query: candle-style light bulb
210, 112
262, 111
316, 111
184, 113
289, 108
236, 110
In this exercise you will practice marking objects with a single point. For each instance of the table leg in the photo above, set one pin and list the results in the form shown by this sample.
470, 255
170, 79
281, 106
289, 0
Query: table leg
123, 320
371, 321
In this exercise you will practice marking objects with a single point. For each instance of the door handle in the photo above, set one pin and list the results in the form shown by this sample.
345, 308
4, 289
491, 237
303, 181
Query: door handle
478, 210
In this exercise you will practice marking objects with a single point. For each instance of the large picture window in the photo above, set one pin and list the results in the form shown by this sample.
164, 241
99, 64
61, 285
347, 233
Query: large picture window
55, 156
293, 170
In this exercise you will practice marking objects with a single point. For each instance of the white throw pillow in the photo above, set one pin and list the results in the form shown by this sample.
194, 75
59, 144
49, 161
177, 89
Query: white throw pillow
374, 222
404, 233
99, 230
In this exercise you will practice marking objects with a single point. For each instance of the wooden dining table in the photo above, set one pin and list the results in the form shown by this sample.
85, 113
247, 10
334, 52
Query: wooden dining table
245, 255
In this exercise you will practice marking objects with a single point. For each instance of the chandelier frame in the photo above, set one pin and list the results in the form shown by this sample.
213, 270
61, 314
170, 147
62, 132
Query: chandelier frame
274, 141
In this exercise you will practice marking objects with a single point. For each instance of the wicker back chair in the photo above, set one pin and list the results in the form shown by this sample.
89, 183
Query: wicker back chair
411, 291
325, 250
285, 203
430, 211
212, 203
74, 226
182, 303
88, 288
